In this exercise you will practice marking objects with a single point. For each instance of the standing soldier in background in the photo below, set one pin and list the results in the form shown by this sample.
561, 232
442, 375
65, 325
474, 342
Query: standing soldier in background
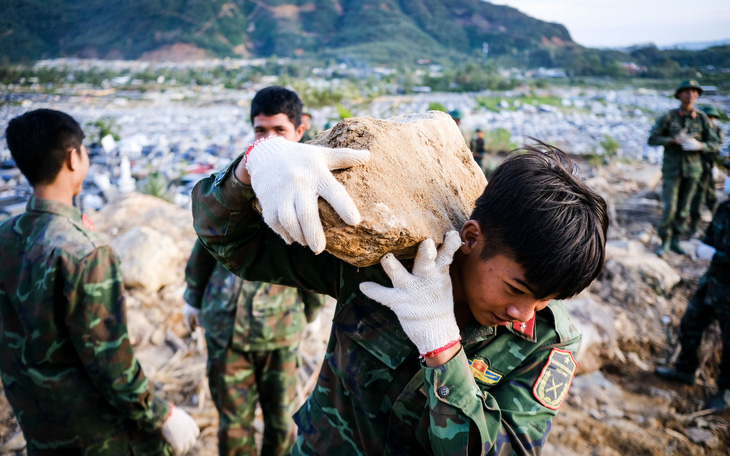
684, 132
252, 329
67, 364
705, 193
711, 301
309, 132
456, 115
477, 147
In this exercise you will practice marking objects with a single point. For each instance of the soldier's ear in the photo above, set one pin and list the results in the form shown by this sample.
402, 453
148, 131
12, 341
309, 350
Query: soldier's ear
470, 233
73, 159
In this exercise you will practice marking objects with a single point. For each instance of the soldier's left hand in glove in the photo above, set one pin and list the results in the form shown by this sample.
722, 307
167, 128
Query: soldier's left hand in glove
423, 299
191, 317
180, 430
288, 179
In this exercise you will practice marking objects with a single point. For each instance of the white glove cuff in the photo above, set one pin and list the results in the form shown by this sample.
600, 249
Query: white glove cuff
252, 146
432, 343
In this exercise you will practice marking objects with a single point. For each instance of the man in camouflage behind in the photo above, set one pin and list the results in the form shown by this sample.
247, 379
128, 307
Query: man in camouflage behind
684, 132
705, 193
252, 329
711, 301
468, 352
67, 364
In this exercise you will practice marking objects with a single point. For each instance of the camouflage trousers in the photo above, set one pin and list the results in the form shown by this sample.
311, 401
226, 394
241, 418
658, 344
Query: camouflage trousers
131, 443
710, 302
237, 381
705, 194
677, 194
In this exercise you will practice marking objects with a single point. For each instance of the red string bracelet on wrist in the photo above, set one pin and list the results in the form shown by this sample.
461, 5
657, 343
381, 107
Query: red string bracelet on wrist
433, 353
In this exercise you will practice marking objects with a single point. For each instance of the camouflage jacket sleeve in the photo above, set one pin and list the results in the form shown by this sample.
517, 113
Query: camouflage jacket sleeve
718, 236
312, 304
235, 233
713, 147
198, 270
96, 322
660, 135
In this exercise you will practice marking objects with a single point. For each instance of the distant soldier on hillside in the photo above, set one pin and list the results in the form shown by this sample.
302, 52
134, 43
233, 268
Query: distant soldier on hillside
684, 132
705, 193
67, 363
456, 115
309, 132
477, 146
711, 301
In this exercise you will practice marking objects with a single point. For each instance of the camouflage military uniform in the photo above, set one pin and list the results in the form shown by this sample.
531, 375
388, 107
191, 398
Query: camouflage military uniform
706, 187
681, 169
67, 364
374, 395
252, 331
711, 300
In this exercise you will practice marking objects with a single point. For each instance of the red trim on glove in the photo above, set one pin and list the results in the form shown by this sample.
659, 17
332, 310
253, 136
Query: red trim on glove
433, 353
257, 142
172, 406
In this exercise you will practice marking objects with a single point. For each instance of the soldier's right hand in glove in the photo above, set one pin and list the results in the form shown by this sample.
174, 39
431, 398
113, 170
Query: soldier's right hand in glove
688, 142
191, 317
705, 252
180, 430
422, 300
288, 179
691, 144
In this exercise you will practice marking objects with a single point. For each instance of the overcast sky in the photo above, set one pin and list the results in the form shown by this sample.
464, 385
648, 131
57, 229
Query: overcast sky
614, 23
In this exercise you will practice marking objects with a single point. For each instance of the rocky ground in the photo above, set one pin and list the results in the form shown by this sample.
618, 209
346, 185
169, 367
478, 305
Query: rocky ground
629, 318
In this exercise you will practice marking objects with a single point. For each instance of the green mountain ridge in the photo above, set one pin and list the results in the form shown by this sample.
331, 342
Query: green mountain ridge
381, 31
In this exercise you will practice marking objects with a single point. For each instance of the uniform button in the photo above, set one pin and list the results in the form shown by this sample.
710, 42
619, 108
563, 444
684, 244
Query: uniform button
443, 391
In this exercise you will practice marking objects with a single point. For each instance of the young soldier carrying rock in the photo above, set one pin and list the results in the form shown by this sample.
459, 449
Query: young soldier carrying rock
67, 365
463, 350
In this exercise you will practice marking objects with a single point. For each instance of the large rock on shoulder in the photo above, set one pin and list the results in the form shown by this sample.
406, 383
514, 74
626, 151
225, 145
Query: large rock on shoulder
420, 182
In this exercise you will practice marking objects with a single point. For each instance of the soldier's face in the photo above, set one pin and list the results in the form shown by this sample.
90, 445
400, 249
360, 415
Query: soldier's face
495, 291
278, 124
688, 96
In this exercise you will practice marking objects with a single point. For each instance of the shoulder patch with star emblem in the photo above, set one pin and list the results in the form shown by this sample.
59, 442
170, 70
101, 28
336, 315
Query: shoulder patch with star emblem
552, 386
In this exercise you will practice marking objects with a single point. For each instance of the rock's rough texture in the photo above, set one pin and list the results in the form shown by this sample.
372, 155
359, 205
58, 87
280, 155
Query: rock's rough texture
420, 182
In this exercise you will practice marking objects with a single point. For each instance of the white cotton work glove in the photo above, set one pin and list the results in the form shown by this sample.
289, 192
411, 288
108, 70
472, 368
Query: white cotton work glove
180, 430
191, 317
689, 143
288, 179
422, 300
705, 252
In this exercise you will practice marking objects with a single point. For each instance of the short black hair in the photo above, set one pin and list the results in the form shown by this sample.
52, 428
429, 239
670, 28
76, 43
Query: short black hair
275, 100
538, 211
39, 140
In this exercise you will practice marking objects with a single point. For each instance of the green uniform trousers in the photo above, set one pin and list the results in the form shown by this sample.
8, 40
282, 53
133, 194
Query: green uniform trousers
677, 194
705, 194
710, 302
237, 381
